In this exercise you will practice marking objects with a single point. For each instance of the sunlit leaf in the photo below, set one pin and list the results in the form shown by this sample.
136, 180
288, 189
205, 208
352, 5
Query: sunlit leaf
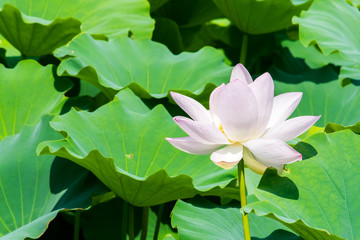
35, 36
149, 68
123, 144
27, 93
111, 18
321, 24
34, 189
327, 183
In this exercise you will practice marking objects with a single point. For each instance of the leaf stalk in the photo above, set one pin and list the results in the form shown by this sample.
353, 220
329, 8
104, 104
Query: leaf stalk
144, 225
77, 225
131, 222
158, 220
244, 45
124, 222
245, 217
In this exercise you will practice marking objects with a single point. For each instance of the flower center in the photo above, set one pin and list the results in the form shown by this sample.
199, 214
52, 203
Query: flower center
222, 130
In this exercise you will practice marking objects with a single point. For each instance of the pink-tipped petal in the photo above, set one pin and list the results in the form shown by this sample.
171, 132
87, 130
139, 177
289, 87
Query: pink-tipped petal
239, 72
237, 110
284, 106
291, 128
193, 108
202, 132
189, 145
263, 89
228, 156
272, 152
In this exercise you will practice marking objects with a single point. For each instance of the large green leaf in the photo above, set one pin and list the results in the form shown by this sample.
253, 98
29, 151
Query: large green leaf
257, 17
201, 219
34, 189
149, 68
321, 24
327, 182
123, 144
334, 103
27, 93
108, 17
35, 36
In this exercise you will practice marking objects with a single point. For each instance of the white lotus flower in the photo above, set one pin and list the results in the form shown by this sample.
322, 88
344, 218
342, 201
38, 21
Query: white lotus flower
245, 121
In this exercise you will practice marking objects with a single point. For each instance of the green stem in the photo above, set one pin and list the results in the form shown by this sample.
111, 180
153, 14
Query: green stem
244, 45
77, 225
144, 225
158, 220
124, 221
131, 222
245, 217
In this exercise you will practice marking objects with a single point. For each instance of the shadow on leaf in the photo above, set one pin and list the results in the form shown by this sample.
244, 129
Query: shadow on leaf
278, 235
278, 185
307, 150
78, 182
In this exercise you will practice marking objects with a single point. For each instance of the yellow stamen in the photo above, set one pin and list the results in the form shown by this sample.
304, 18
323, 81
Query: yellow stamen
222, 130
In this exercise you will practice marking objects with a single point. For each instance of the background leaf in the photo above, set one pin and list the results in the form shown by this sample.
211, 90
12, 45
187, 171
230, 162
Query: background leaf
313, 57
111, 221
215, 33
35, 36
333, 127
111, 18
189, 13
334, 103
258, 17
155, 4
167, 32
321, 24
